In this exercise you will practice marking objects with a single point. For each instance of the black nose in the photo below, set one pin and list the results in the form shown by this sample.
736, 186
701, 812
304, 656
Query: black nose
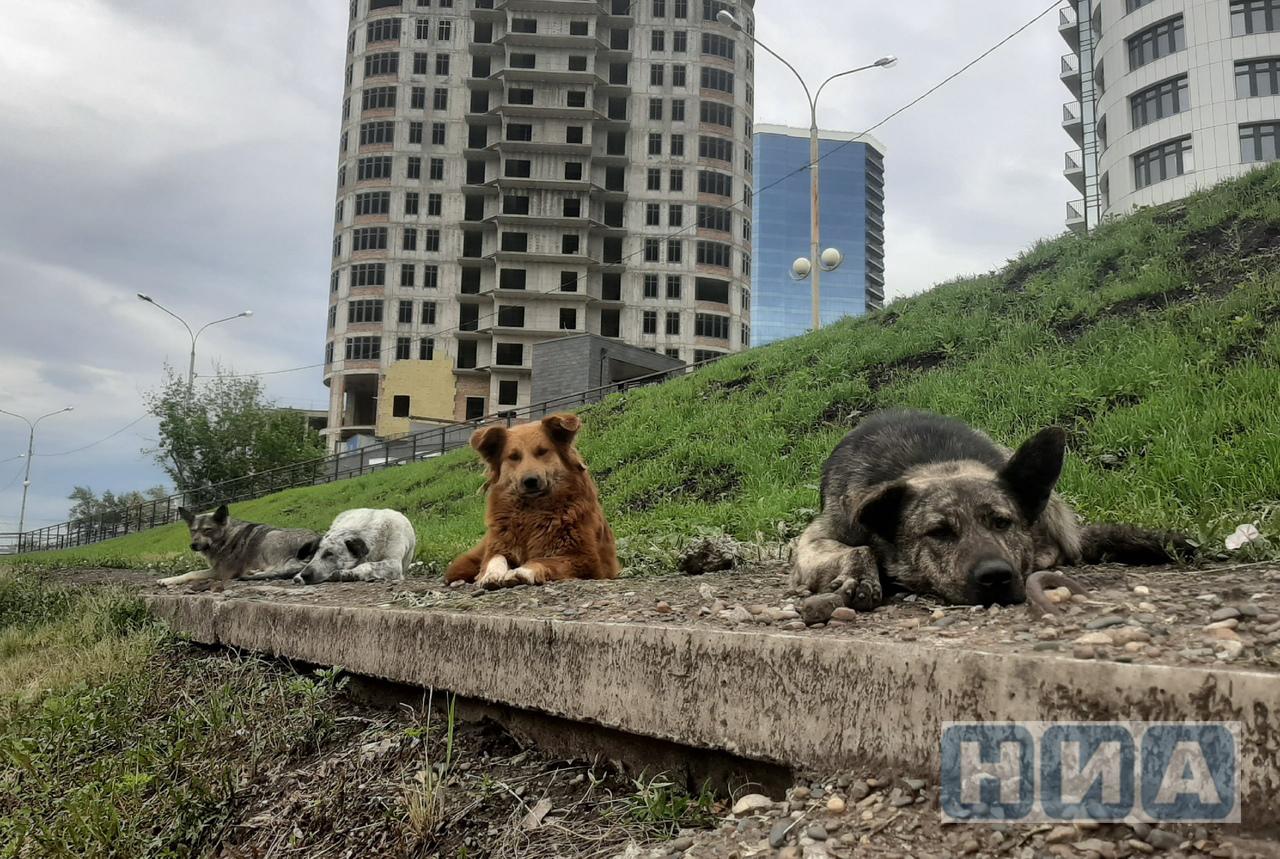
194, 547
992, 576
532, 483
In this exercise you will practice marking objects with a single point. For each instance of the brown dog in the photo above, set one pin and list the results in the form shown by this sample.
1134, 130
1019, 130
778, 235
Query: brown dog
544, 518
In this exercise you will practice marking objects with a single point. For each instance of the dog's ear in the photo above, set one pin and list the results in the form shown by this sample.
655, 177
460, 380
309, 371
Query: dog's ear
1033, 471
221, 514
307, 550
881, 511
357, 547
187, 515
562, 428
489, 442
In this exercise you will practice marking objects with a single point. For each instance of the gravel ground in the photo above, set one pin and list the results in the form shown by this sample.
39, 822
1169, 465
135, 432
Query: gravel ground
1209, 615
859, 815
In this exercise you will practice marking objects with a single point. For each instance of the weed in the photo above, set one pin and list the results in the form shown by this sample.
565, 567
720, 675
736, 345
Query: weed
668, 808
426, 800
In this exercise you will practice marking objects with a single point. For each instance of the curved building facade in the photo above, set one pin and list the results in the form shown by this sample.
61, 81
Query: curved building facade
1176, 95
512, 171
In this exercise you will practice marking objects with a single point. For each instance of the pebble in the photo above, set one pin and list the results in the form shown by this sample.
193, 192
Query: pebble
737, 614
859, 790
1146, 606
780, 832
794, 625
938, 614
1056, 595
819, 608
751, 802
1141, 590
1140, 846
1248, 609
663, 607
817, 832
800, 792
1224, 633
1060, 835
1230, 650
844, 613
1225, 613
1094, 638
1162, 840
1140, 828
1212, 599
835, 805
680, 844
1083, 651
1105, 621
1272, 637
1130, 634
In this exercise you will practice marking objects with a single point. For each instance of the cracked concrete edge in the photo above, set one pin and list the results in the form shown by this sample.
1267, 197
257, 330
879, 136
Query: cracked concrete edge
809, 702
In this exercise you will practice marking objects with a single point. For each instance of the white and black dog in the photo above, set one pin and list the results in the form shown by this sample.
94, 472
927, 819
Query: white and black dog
361, 545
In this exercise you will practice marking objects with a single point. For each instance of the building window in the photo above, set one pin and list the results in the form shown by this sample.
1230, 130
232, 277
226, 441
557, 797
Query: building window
426, 349
1258, 142
430, 277
569, 243
653, 179
333, 282
431, 240
677, 110
508, 354
673, 322
711, 182
328, 353
375, 133
652, 250
422, 29
1258, 77
1254, 16
714, 254
411, 202
655, 109
363, 348
716, 79
369, 239
442, 65
436, 168
373, 203
675, 251
679, 41
576, 98
716, 45
655, 143
714, 218
364, 310
407, 271
1135, 5
373, 167
652, 215
511, 315
568, 319
437, 134
679, 76
418, 98
680, 8
1162, 162
677, 180
444, 31
674, 286
656, 74
715, 148
711, 325
383, 30
404, 351
369, 274
420, 63
649, 322
413, 167
333, 316
1155, 42
657, 41
701, 355
428, 313
577, 63
1157, 102
650, 286
404, 313
716, 113
675, 215
508, 392
475, 407
677, 146
611, 323
573, 170
376, 65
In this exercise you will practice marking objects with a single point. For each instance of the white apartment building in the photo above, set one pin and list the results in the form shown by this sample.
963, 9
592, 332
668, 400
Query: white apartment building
1169, 96
516, 170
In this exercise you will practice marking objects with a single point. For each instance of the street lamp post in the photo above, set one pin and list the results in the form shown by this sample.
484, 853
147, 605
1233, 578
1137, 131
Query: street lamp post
26, 477
191, 366
816, 262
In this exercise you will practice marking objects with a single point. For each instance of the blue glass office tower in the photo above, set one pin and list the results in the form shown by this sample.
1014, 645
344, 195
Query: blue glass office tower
851, 179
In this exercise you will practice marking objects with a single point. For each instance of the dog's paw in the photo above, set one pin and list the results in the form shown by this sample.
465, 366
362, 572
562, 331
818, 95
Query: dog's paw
508, 578
859, 580
168, 583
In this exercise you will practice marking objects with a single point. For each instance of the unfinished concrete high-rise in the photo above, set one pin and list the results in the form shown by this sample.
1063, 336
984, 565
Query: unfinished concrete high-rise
517, 170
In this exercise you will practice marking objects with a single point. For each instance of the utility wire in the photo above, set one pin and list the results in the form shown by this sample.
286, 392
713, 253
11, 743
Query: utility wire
132, 423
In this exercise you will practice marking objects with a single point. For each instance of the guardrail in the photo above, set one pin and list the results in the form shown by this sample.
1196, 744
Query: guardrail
388, 453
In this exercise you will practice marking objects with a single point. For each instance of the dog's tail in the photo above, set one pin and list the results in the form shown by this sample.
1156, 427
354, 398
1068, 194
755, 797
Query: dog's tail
1127, 544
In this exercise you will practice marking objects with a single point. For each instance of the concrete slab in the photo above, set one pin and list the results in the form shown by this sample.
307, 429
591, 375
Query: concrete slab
813, 702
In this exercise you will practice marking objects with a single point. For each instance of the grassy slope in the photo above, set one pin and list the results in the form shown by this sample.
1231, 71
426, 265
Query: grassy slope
1155, 341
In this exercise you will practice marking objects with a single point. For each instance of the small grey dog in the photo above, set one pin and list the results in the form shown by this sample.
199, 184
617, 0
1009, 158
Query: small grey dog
236, 549
361, 545
924, 503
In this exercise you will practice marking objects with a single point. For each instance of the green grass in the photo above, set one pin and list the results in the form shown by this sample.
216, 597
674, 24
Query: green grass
1155, 341
118, 740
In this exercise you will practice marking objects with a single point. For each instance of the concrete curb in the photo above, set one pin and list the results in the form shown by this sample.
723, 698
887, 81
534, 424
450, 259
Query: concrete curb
814, 703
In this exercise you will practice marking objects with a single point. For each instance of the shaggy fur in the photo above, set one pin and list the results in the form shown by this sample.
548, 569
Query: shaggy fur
924, 503
544, 518
236, 549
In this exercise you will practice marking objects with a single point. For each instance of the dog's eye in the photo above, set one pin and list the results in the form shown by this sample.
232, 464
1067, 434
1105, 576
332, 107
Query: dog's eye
327, 555
1001, 523
941, 532
540, 452
514, 456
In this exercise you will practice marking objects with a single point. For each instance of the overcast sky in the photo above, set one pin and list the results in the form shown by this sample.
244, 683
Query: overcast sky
188, 150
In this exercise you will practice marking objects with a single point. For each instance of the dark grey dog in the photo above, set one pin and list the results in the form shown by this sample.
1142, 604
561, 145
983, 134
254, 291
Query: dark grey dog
928, 504
236, 549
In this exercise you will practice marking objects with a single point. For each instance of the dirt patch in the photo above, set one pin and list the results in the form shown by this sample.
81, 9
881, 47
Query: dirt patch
879, 375
1019, 273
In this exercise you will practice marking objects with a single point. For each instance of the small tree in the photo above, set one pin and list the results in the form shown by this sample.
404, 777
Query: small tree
109, 507
225, 429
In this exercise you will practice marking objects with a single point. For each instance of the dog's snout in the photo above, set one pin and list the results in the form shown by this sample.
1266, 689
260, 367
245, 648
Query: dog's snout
195, 547
992, 581
532, 483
